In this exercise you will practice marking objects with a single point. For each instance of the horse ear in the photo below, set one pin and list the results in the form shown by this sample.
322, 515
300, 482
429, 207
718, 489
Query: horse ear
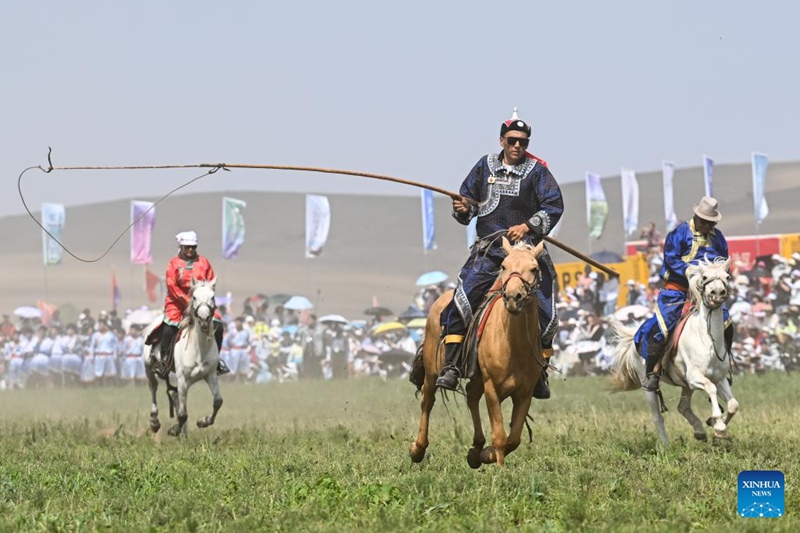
506, 245
727, 264
692, 271
538, 249
213, 284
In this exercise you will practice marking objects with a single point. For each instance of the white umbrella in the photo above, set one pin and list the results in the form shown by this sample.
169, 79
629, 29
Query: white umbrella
638, 311
298, 303
141, 316
334, 318
26, 311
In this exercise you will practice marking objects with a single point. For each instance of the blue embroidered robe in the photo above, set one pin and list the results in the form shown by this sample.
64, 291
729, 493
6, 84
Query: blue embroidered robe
526, 193
683, 246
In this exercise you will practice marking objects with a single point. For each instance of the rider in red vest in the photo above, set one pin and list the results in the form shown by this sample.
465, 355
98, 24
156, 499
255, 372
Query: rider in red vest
182, 268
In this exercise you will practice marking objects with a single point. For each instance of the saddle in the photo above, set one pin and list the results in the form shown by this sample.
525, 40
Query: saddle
671, 344
162, 367
469, 350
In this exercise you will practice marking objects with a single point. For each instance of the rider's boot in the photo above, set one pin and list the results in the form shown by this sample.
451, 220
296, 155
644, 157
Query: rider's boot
655, 350
541, 391
450, 374
728, 346
222, 368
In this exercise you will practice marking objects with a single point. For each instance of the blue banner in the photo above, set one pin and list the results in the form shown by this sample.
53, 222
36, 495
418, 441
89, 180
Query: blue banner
708, 174
428, 228
53, 217
760, 208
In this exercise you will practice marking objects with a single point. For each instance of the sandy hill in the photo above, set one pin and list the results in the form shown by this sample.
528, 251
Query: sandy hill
374, 247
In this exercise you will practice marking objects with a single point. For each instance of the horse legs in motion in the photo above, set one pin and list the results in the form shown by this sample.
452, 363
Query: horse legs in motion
509, 357
183, 391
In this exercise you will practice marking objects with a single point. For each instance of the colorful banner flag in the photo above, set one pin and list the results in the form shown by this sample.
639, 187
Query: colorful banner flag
318, 224
143, 218
667, 172
596, 206
760, 208
232, 227
630, 200
152, 282
472, 232
708, 174
53, 218
116, 297
428, 228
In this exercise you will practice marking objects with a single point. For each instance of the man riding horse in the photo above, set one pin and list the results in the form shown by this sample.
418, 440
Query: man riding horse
687, 244
517, 197
188, 265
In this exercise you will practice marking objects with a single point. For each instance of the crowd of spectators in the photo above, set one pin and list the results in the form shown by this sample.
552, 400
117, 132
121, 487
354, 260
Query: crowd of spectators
263, 344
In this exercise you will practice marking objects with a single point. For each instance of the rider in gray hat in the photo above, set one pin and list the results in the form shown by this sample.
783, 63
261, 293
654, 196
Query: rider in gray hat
689, 243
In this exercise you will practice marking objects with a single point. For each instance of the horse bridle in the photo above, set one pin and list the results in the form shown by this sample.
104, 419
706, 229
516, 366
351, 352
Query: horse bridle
530, 288
703, 283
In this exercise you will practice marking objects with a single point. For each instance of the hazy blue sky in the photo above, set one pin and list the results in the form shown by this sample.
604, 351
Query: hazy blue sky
411, 89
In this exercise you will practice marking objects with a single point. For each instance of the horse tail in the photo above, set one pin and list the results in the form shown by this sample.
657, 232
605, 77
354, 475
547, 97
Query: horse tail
627, 368
417, 375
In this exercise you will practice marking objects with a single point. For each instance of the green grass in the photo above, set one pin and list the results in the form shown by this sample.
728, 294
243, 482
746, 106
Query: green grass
333, 457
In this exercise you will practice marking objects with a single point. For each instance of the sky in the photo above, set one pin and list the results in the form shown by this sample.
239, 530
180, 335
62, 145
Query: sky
413, 89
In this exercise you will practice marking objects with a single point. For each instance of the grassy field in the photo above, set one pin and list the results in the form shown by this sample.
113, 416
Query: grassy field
333, 457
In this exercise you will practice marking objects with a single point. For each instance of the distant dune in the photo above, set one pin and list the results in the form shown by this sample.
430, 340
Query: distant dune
374, 247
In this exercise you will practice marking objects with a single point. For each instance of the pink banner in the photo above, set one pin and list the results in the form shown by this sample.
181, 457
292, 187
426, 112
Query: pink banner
143, 217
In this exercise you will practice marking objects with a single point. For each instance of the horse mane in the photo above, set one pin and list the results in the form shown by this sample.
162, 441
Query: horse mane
186, 321
699, 268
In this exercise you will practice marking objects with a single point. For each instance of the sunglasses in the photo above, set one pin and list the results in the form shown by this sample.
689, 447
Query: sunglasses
512, 141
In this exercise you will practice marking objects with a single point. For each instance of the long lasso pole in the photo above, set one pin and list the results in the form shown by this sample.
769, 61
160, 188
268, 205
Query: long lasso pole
213, 167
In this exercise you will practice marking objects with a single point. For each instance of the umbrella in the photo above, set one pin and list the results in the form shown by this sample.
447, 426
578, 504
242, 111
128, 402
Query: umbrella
141, 316
334, 318
431, 278
386, 327
298, 303
606, 256
291, 329
27, 311
417, 323
412, 312
378, 311
638, 311
395, 356
279, 299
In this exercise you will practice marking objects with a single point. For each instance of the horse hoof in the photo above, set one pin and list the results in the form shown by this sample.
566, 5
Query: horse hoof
174, 431
721, 434
710, 422
700, 436
474, 458
204, 422
417, 453
155, 425
488, 456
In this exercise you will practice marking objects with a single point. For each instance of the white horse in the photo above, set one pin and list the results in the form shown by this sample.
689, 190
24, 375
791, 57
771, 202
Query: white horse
700, 362
196, 356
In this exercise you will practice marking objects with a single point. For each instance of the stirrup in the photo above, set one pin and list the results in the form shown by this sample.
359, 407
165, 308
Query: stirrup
541, 391
449, 378
222, 368
651, 382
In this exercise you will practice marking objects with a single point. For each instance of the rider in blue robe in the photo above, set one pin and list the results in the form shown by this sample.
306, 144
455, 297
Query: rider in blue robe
517, 197
689, 243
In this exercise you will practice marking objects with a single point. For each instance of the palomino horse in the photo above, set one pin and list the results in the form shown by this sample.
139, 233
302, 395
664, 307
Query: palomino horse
196, 356
700, 361
509, 359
